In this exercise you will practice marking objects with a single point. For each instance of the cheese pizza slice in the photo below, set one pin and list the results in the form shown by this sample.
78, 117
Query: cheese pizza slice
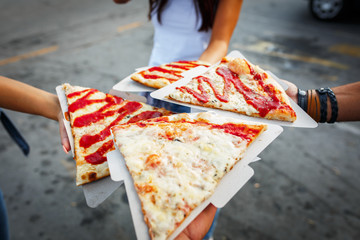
165, 74
237, 85
177, 164
91, 114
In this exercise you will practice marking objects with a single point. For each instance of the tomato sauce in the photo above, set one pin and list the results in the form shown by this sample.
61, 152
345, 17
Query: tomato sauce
262, 103
239, 130
172, 74
88, 140
149, 75
99, 156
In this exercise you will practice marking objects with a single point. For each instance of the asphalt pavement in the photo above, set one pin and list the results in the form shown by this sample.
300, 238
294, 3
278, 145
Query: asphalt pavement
305, 186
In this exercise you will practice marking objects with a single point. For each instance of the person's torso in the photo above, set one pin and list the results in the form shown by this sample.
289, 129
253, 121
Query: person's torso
177, 36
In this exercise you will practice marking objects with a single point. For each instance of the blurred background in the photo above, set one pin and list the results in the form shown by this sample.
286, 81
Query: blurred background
305, 187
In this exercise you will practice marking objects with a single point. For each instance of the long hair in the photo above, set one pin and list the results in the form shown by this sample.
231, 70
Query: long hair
206, 8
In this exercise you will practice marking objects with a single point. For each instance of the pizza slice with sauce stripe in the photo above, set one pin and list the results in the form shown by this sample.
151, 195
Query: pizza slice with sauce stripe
165, 74
237, 85
176, 163
91, 114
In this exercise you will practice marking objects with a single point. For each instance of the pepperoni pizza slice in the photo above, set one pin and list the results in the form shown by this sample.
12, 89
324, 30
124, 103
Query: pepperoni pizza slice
176, 164
237, 85
91, 114
165, 74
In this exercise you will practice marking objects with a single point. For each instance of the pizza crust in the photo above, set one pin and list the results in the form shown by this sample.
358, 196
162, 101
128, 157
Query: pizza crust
154, 83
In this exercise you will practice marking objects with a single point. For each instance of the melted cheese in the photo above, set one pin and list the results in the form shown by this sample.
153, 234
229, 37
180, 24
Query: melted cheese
237, 102
183, 170
236, 99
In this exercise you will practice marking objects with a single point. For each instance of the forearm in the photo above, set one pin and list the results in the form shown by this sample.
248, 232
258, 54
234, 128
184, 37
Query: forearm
21, 97
348, 98
214, 52
225, 22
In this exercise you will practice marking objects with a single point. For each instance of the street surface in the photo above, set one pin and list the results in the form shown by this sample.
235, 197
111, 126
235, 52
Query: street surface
305, 187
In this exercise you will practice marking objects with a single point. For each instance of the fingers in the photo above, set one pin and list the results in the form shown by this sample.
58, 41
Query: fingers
208, 214
63, 135
292, 90
198, 228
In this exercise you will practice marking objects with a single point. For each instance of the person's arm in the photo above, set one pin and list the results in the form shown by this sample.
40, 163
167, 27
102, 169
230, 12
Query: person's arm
21, 97
347, 96
226, 18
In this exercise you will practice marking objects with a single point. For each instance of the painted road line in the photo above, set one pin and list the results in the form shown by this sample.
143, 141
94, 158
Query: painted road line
54, 48
267, 48
345, 49
111, 35
36, 53
129, 26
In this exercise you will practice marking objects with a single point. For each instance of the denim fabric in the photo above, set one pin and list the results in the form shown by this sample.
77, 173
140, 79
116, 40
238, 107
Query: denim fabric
4, 227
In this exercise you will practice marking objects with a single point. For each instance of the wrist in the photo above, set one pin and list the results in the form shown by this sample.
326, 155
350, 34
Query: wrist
320, 104
52, 108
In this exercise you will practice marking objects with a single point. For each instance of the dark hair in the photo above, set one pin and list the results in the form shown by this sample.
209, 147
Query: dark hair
207, 9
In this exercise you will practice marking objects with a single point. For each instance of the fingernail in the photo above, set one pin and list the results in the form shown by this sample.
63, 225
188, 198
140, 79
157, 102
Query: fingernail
65, 150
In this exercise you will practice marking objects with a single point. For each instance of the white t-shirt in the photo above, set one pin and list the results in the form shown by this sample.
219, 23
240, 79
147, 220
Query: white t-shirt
177, 37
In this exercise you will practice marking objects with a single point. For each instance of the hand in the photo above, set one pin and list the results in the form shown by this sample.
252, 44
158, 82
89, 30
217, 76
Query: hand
292, 91
63, 135
198, 228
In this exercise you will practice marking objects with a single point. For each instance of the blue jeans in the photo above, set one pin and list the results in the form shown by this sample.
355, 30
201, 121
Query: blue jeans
4, 227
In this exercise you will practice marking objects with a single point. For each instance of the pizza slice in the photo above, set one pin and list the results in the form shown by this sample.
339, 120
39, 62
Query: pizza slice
165, 74
176, 164
91, 114
237, 85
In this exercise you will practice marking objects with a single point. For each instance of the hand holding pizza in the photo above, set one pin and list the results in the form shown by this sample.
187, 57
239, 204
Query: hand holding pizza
292, 90
198, 228
328, 105
63, 135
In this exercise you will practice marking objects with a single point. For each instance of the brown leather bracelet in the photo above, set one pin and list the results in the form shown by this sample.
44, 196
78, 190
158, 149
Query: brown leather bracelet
313, 108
